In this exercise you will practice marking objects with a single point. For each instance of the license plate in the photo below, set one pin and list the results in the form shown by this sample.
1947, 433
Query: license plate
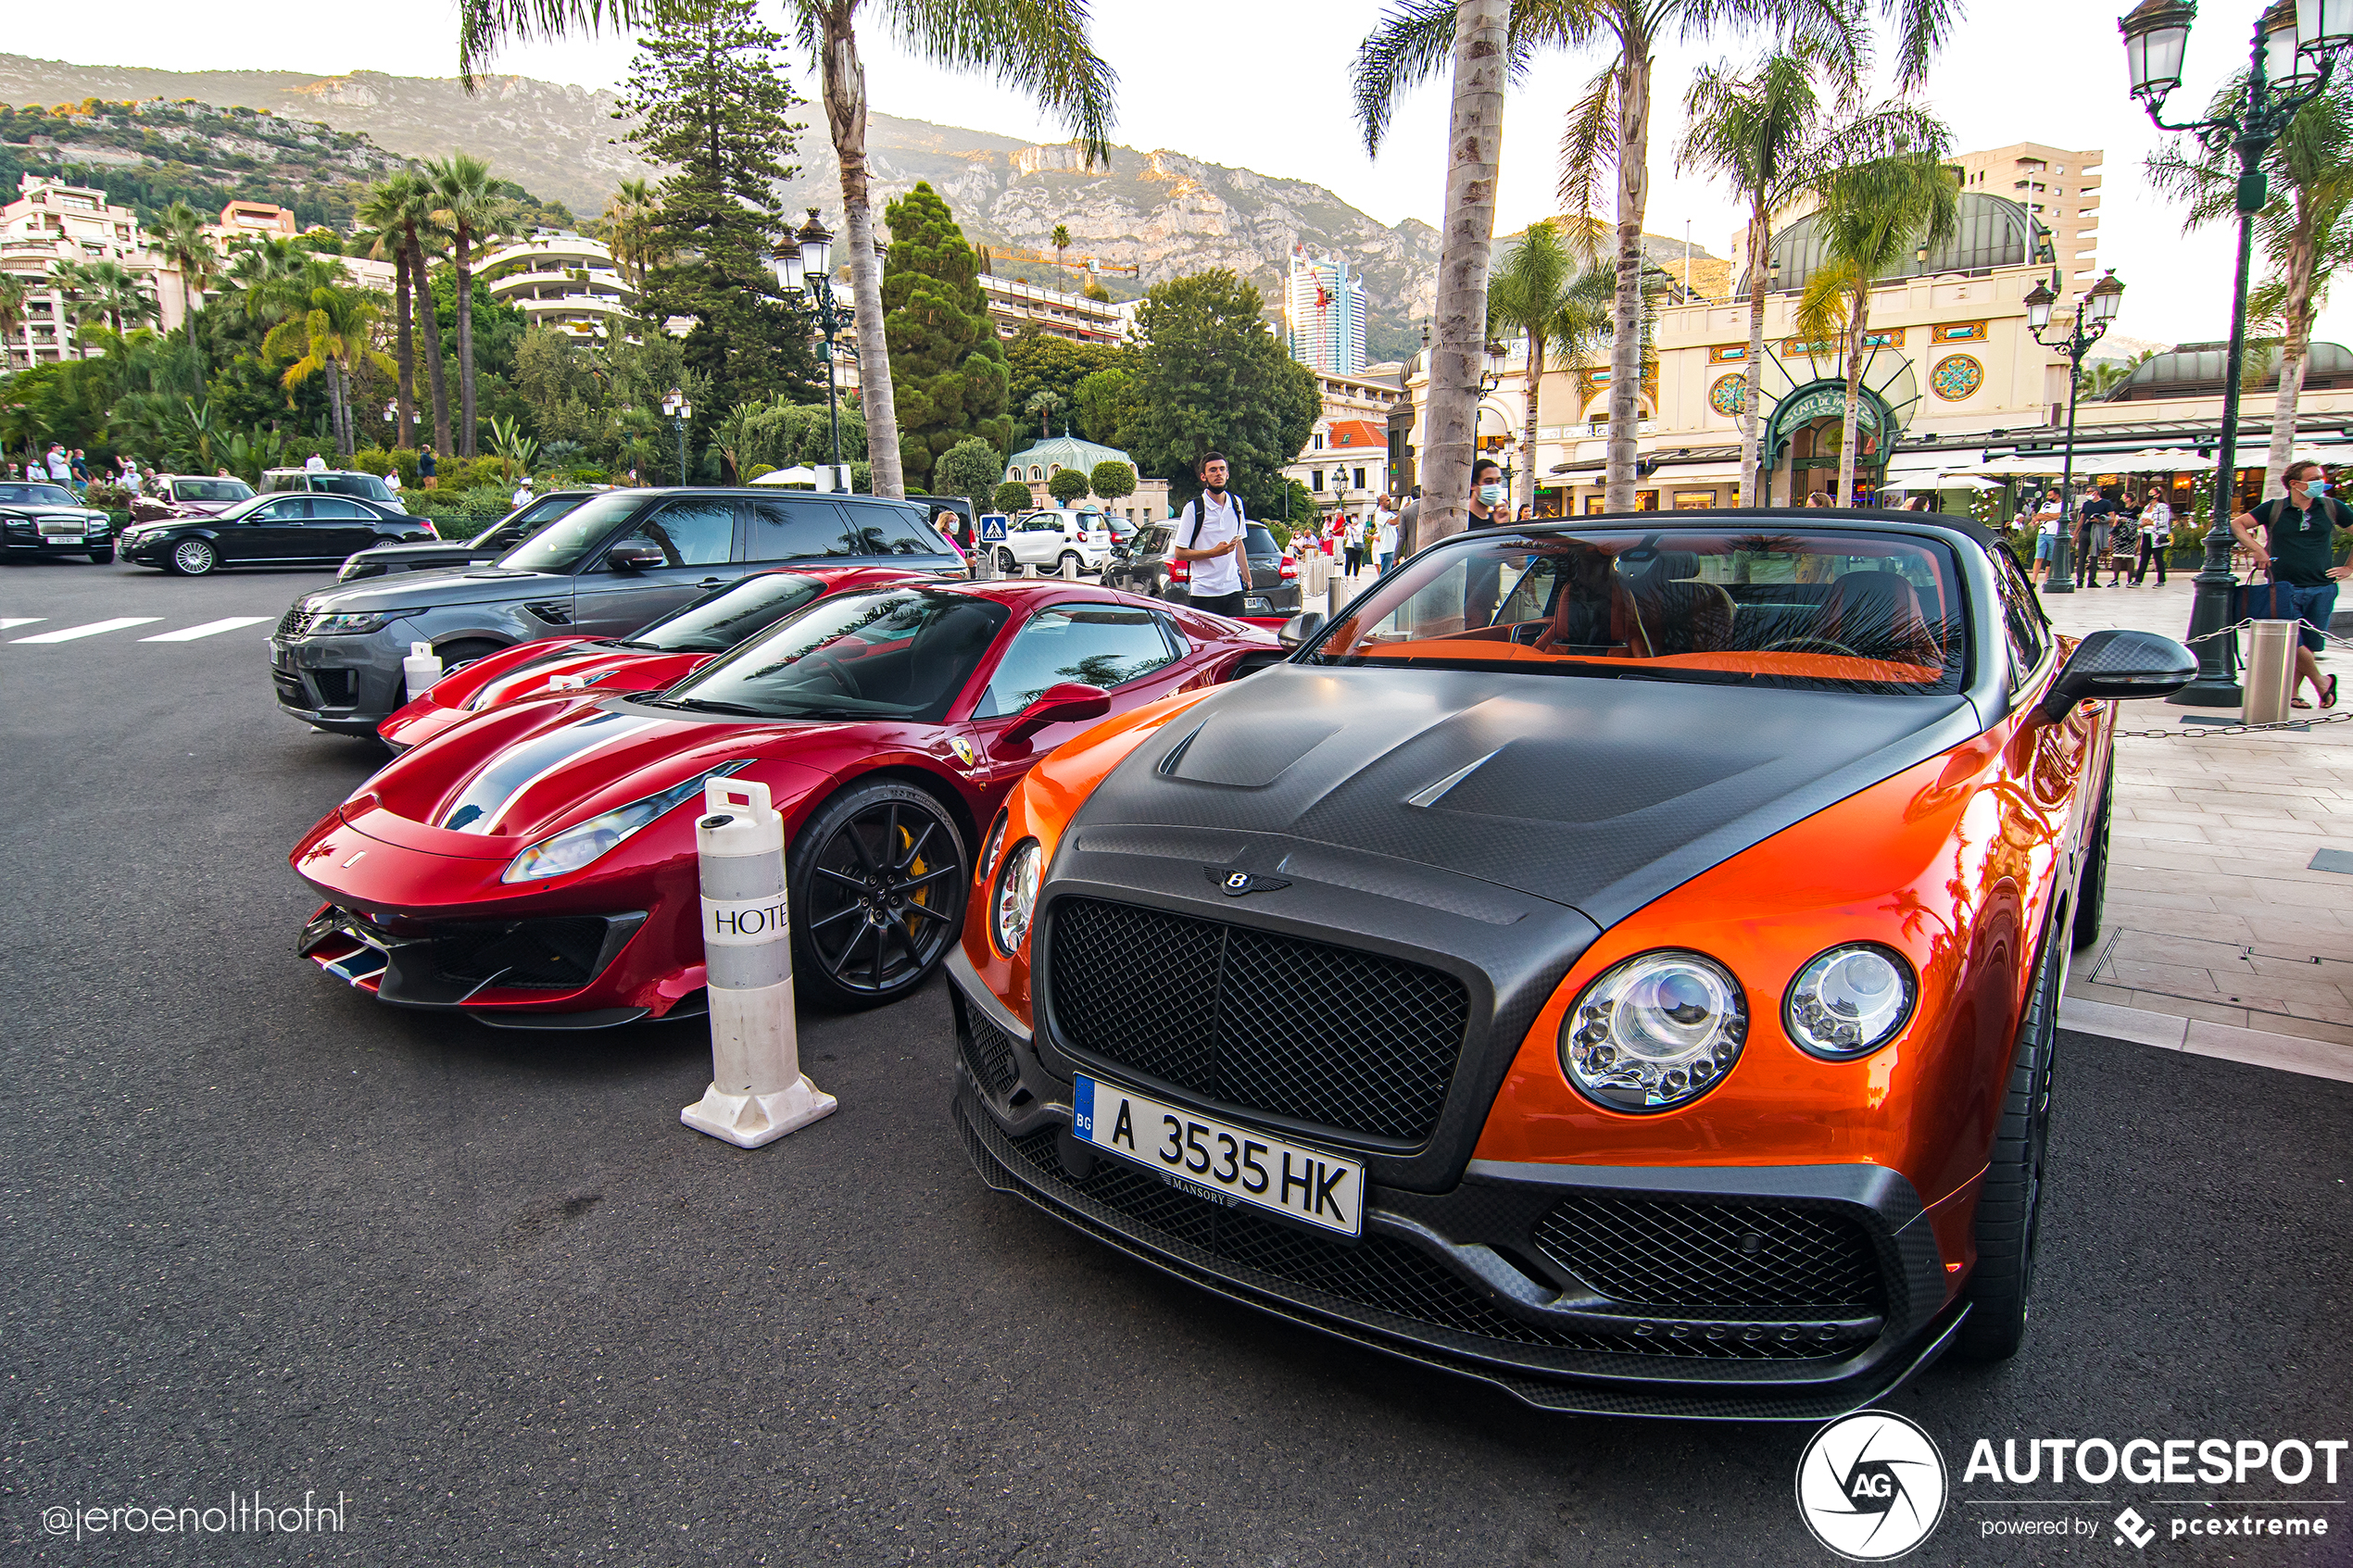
1252, 601
1218, 1162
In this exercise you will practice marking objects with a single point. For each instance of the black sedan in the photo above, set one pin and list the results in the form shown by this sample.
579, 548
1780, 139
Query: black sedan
435, 555
271, 531
1145, 563
45, 519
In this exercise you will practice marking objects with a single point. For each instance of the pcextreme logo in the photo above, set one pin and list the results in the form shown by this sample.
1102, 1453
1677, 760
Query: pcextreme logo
1872, 1486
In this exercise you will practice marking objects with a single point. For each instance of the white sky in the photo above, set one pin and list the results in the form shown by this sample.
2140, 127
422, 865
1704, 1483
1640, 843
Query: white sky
1266, 86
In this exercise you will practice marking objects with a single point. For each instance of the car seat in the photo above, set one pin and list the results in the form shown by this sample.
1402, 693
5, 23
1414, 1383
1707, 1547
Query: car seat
1682, 614
1877, 614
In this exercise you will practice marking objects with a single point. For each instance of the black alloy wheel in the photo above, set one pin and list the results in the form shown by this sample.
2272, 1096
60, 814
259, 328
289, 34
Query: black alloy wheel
2009, 1200
454, 654
1006, 565
879, 883
193, 557
2091, 888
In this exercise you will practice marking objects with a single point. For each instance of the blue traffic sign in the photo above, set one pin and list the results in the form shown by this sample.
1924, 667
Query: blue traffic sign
992, 528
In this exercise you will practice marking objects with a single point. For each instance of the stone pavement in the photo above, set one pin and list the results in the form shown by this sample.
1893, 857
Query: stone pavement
2219, 923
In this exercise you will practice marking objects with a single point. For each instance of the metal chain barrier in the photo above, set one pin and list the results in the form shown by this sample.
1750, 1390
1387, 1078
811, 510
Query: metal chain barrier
2214, 731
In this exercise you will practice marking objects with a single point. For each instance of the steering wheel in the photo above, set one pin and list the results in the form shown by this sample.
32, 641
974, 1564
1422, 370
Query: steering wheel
836, 669
1811, 644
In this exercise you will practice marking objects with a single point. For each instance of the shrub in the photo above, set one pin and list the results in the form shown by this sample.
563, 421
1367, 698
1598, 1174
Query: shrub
1111, 479
376, 460
756, 469
1066, 486
590, 476
1011, 496
489, 502
107, 497
460, 526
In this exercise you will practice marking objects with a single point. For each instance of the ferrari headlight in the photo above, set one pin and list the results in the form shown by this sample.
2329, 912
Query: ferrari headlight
1017, 896
585, 842
1849, 1000
1653, 1032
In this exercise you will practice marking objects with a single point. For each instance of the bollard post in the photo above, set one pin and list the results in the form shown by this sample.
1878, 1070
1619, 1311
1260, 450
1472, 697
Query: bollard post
2270, 680
419, 669
758, 1092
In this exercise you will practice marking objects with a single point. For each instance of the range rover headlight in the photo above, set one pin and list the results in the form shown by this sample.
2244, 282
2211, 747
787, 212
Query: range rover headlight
1653, 1032
1849, 1001
1015, 899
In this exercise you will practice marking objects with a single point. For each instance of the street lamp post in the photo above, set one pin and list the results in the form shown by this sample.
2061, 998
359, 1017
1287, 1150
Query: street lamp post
680, 411
2297, 46
2093, 313
814, 263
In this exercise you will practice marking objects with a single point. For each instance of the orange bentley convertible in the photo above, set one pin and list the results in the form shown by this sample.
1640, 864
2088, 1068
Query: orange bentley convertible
1617, 960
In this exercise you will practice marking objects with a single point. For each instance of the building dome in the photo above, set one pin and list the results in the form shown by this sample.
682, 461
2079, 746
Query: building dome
1041, 458
1991, 231
2194, 369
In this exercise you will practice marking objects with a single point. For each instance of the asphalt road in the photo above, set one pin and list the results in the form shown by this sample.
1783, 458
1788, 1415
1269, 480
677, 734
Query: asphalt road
259, 1232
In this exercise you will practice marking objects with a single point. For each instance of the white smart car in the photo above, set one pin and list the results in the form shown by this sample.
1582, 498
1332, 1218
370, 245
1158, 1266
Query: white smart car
1064, 539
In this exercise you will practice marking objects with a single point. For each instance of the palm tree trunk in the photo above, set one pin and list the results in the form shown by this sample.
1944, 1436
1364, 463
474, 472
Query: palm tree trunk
845, 94
1527, 435
2295, 345
430, 320
1633, 198
1475, 144
468, 440
1857, 331
405, 350
1759, 247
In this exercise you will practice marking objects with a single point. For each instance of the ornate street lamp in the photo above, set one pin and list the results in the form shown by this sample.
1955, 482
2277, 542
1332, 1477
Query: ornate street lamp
813, 269
2298, 45
2093, 314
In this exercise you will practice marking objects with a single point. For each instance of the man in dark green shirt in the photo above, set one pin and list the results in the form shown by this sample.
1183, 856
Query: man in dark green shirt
2297, 547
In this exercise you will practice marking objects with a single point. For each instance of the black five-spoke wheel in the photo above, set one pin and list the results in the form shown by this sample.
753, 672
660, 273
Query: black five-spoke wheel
879, 883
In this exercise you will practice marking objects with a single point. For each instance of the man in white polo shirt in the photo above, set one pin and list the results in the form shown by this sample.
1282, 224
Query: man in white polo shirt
1209, 535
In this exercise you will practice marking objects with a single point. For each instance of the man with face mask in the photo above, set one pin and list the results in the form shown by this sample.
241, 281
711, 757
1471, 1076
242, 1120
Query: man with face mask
1210, 534
1490, 507
2297, 549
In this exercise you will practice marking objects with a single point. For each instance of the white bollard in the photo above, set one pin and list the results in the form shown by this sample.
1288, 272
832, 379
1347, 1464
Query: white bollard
758, 1092
419, 669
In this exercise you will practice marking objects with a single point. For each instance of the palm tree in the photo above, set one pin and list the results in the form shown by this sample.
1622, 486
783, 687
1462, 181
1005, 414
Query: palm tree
1038, 46
12, 314
1062, 242
1474, 36
1608, 128
1767, 135
1046, 405
105, 291
381, 215
2307, 230
1873, 218
632, 232
184, 244
334, 335
423, 238
467, 205
1539, 292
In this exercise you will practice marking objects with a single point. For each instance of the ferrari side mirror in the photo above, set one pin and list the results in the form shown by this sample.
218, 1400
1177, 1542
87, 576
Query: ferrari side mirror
2118, 665
1300, 628
1060, 704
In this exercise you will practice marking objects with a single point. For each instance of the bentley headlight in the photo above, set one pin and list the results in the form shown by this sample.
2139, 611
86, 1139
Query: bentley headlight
583, 842
1849, 1000
1017, 896
1653, 1032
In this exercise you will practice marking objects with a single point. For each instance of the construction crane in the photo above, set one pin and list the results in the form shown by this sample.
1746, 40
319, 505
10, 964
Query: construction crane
991, 253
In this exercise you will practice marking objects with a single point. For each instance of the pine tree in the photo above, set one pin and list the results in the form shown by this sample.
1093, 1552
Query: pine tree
712, 106
947, 373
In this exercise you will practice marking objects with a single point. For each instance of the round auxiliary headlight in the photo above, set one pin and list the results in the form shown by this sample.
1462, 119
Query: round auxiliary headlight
1016, 896
1654, 1031
1849, 1000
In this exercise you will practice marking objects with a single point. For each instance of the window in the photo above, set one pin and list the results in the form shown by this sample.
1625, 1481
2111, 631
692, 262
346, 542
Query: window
796, 531
2023, 621
727, 616
1315, 478
688, 533
331, 508
1360, 479
1319, 441
1102, 646
1034, 475
884, 528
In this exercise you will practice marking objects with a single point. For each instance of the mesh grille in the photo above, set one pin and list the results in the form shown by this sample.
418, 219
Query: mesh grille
1346, 1040
988, 1051
1379, 1273
294, 623
561, 953
1657, 1252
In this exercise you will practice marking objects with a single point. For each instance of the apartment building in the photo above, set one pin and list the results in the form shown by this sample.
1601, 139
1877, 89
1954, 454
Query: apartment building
2060, 189
51, 221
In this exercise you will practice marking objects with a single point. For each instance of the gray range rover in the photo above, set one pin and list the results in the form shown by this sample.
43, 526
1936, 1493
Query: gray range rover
602, 569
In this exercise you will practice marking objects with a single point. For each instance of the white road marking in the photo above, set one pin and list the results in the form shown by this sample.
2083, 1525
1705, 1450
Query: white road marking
229, 624
8, 621
95, 628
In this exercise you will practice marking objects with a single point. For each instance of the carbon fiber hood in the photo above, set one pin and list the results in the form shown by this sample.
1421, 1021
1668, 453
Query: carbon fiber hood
1596, 793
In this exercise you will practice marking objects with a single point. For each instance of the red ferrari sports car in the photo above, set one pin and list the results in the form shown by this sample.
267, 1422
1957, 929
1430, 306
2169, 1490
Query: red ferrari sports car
535, 867
658, 653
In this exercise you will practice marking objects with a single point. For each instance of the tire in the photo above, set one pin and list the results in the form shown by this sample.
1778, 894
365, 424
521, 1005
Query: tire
193, 557
1069, 565
2091, 888
1006, 565
102, 557
454, 654
2001, 1288
883, 848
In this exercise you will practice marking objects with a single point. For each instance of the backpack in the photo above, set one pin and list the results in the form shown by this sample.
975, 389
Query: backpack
1195, 507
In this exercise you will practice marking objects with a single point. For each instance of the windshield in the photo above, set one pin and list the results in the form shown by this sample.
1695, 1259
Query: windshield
1806, 607
566, 542
1261, 541
727, 616
894, 653
36, 496
210, 489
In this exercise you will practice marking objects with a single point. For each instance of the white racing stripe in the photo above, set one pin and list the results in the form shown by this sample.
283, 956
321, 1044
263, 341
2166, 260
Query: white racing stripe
8, 621
228, 624
95, 628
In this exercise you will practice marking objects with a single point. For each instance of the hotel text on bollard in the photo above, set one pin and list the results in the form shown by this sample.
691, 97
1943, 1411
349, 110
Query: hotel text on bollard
419, 669
757, 1092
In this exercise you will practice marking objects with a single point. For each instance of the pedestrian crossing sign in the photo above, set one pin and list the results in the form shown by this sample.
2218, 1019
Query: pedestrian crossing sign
992, 528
